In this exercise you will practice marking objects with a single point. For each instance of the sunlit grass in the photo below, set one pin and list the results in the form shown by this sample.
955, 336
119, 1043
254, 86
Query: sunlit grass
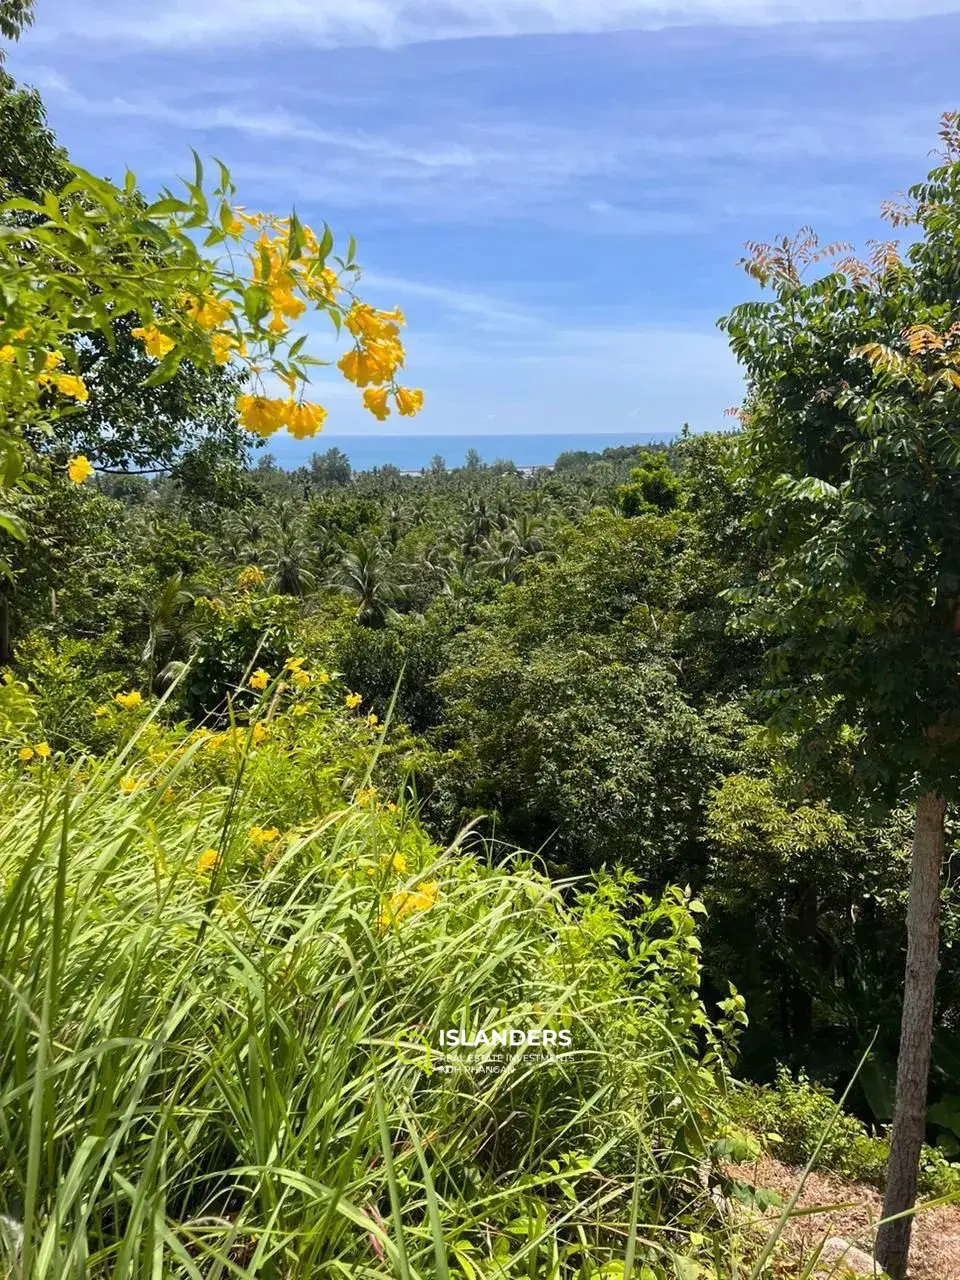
215, 1055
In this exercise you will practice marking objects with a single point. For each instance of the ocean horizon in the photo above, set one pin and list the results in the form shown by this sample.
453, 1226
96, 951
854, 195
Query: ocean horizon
415, 452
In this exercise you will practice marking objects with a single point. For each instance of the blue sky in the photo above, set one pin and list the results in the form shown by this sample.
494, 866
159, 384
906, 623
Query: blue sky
555, 191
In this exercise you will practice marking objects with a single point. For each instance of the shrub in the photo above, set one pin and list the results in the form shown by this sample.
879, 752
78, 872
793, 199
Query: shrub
795, 1114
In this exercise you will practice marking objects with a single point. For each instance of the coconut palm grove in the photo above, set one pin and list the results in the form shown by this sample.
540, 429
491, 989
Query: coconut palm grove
478, 872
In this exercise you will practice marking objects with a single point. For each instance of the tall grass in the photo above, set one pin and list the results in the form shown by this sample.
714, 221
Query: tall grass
232, 1068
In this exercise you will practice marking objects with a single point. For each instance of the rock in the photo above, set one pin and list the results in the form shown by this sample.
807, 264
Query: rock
841, 1256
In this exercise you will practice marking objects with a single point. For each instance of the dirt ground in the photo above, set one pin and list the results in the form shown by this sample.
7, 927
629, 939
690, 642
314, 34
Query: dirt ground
935, 1248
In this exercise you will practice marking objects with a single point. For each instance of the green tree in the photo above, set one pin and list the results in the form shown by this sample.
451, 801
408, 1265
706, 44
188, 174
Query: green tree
126, 422
851, 447
330, 469
14, 16
364, 575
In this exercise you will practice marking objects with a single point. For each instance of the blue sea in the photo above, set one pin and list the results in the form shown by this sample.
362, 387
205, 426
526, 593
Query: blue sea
411, 453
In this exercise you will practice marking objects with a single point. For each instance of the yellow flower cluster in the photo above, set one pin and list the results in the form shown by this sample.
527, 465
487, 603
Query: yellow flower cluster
209, 312
156, 343
404, 902
68, 384
263, 415
128, 700
261, 836
353, 700
259, 680
375, 359
129, 784
376, 399
40, 751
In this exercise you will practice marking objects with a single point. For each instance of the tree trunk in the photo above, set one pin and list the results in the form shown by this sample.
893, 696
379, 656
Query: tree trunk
916, 1033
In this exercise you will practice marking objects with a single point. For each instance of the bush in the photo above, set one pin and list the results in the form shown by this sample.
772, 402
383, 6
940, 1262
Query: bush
795, 1113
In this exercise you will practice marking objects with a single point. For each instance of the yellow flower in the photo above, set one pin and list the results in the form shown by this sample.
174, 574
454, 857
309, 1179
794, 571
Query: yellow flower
391, 807
260, 679
353, 700
53, 360
366, 795
322, 677
301, 679
70, 385
43, 750
395, 863
372, 720
209, 860
25, 753
375, 399
100, 712
250, 577
8, 354
409, 401
259, 733
157, 344
300, 709
129, 784
128, 700
209, 312
284, 302
294, 664
79, 468
375, 364
364, 321
305, 419
264, 835
260, 414
402, 903
224, 345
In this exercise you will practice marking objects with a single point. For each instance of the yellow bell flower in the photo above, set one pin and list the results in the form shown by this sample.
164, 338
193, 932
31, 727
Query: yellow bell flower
156, 344
79, 468
208, 861
409, 401
375, 399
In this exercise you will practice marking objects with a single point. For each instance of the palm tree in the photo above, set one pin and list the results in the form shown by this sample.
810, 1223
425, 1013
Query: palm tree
171, 623
288, 557
364, 576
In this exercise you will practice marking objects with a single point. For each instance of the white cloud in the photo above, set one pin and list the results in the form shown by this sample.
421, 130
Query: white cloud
394, 22
620, 169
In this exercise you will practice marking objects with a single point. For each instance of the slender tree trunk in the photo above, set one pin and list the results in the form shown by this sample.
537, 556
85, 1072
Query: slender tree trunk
916, 1033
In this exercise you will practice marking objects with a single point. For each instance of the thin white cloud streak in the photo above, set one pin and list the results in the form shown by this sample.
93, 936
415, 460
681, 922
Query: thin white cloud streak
388, 23
480, 165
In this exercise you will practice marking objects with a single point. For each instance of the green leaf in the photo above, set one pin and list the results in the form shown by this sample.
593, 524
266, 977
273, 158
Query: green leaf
295, 239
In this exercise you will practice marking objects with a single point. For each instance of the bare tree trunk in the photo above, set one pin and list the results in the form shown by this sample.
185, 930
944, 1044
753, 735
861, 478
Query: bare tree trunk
916, 1033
